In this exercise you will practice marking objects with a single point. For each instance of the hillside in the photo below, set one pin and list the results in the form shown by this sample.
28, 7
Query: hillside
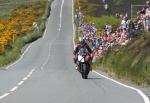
131, 62
95, 7
7, 6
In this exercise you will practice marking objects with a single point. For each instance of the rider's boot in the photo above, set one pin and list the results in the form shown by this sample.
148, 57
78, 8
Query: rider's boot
77, 67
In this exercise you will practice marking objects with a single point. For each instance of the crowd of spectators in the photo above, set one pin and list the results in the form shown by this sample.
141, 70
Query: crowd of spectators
143, 18
100, 42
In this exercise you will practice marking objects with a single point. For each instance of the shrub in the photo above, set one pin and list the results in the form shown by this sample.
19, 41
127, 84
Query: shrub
101, 22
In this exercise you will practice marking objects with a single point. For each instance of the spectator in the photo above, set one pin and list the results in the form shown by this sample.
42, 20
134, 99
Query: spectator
147, 4
106, 7
37, 29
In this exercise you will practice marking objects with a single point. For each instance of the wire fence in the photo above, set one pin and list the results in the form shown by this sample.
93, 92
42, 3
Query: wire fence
135, 9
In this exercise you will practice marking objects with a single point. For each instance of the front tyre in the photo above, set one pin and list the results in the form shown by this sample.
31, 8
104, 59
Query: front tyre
84, 71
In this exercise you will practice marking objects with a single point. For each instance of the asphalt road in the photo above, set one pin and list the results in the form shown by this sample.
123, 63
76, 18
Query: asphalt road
46, 73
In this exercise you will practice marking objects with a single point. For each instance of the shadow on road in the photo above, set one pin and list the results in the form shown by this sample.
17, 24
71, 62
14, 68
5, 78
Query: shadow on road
94, 78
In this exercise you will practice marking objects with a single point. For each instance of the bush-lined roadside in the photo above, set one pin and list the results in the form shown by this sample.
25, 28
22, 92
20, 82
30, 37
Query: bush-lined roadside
27, 33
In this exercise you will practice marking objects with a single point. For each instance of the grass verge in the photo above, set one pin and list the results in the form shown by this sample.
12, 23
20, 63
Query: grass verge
131, 62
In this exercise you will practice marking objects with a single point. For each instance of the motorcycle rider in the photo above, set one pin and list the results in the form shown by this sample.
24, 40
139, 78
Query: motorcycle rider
83, 49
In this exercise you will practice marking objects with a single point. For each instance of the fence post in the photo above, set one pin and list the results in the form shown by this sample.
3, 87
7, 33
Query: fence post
131, 10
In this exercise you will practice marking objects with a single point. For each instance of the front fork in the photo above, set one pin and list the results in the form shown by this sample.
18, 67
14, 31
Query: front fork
81, 66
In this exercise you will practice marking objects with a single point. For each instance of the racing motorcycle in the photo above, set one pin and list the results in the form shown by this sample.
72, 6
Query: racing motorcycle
84, 65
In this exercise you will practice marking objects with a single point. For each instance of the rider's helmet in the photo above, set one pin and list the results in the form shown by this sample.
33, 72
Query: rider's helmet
82, 43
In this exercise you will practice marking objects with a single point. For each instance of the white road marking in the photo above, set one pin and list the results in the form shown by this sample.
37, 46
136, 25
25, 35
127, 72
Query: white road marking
61, 10
14, 88
50, 44
20, 83
44, 34
4, 95
145, 98
49, 54
32, 70
73, 23
27, 49
25, 78
29, 75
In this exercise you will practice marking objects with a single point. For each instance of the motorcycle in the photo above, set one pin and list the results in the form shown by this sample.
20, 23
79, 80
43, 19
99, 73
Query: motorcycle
84, 65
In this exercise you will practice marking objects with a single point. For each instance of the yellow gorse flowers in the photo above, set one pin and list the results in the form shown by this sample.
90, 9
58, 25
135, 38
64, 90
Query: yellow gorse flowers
19, 22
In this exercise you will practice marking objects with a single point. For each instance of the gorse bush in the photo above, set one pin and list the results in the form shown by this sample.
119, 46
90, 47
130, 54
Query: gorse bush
23, 33
20, 23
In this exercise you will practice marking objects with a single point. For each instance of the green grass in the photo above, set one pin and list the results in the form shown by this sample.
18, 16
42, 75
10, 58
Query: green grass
4, 14
14, 50
7, 6
101, 22
18, 1
131, 62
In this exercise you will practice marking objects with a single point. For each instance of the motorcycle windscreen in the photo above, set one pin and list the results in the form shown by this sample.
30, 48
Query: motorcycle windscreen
80, 58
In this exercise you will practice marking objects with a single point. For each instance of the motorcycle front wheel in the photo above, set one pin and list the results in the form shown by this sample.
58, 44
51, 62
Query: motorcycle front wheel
84, 71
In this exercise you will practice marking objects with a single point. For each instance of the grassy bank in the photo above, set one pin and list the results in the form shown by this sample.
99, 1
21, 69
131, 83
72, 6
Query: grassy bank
13, 49
131, 62
101, 22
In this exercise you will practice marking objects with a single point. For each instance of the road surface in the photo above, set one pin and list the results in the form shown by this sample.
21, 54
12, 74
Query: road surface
46, 73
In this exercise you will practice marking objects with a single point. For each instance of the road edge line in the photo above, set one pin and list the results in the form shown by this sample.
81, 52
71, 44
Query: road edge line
146, 99
27, 49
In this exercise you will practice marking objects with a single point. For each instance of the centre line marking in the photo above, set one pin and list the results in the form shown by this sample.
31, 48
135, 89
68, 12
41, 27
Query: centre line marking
4, 95
50, 44
20, 83
25, 78
14, 88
